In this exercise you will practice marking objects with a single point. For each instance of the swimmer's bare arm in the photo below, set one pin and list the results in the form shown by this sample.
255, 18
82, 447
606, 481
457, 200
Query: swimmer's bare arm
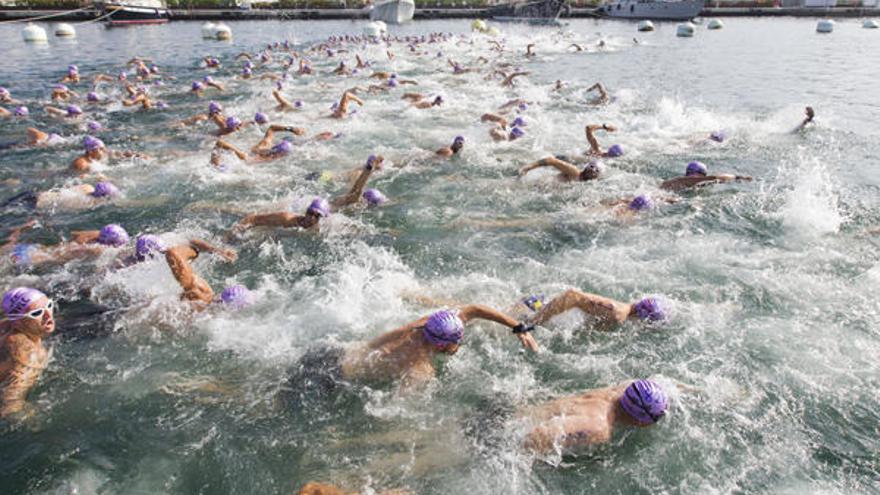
192, 120
194, 288
603, 95
283, 103
509, 80
809, 118
478, 311
278, 219
229, 147
25, 356
56, 112
567, 169
591, 304
491, 117
680, 183
14, 235
84, 236
590, 130
354, 194
203, 246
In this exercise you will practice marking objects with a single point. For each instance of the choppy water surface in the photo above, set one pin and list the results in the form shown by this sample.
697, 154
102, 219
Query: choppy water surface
773, 282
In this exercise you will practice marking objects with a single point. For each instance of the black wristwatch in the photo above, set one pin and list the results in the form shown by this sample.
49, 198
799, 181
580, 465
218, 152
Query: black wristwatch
522, 328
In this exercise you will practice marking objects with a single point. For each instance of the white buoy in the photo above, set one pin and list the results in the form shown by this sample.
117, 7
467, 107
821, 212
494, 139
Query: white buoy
34, 34
372, 29
715, 24
209, 30
479, 25
685, 30
222, 32
825, 26
646, 26
65, 30
493, 31
870, 24
382, 26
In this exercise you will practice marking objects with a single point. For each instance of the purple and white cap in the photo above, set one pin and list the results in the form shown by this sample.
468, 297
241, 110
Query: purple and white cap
92, 96
718, 136
518, 122
72, 70
197, 86
644, 401
652, 309
94, 126
112, 235
148, 245
517, 133
374, 197
319, 207
4, 92
207, 79
298, 104
443, 328
214, 107
282, 148
92, 143
641, 203
615, 150
17, 300
105, 190
237, 296
695, 168
392, 83
21, 111
73, 110
246, 71
261, 118
232, 122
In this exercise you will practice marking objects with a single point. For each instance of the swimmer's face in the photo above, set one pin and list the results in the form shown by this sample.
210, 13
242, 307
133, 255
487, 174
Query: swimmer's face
449, 349
43, 325
457, 146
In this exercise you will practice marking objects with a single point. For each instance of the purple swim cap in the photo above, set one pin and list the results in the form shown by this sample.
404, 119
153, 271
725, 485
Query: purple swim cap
61, 87
74, 110
208, 79
261, 118
214, 107
644, 401
112, 235
232, 122
237, 296
92, 96
282, 148
615, 150
17, 300
374, 197
92, 143
516, 133
21, 111
523, 106
651, 309
519, 122
94, 126
319, 207
197, 86
246, 71
298, 104
641, 202
122, 76
443, 327
162, 105
695, 168
458, 139
105, 189
146, 245
154, 69
4, 91
392, 83
717, 136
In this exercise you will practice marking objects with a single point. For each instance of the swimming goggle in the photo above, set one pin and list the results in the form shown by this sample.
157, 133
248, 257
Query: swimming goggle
35, 314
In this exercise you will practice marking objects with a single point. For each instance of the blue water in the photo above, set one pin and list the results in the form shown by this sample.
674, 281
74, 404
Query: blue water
772, 282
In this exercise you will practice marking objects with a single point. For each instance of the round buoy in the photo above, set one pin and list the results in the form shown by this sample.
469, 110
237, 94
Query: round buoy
825, 26
222, 32
715, 24
209, 30
34, 34
382, 26
372, 29
646, 25
65, 30
479, 25
685, 30
870, 24
493, 31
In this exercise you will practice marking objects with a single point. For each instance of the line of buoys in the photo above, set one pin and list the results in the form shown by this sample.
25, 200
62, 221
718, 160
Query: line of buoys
65, 30
715, 24
685, 30
645, 26
870, 24
34, 34
825, 26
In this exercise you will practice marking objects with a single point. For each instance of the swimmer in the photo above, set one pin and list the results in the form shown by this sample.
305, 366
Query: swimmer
318, 209
211, 83
807, 120
592, 417
6, 97
567, 171
577, 47
213, 62
491, 117
215, 115
603, 97
529, 52
405, 355
453, 149
140, 98
509, 79
30, 317
517, 102
83, 244
75, 197
356, 193
195, 289
304, 67
342, 69
61, 92
283, 103
696, 175
95, 151
342, 107
608, 313
436, 102
70, 112
263, 151
360, 63
613, 152
72, 75
313, 488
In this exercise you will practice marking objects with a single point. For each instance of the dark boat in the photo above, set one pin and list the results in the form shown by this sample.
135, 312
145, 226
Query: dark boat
536, 12
124, 13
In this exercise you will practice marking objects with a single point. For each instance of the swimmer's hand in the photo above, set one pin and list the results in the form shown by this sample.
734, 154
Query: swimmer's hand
609, 128
523, 333
229, 255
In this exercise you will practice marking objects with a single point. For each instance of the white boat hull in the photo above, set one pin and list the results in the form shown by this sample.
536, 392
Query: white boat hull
634, 9
393, 11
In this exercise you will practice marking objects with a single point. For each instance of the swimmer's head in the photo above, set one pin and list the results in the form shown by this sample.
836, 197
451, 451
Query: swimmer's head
161, 105
651, 309
72, 69
4, 93
457, 143
372, 161
282, 148
148, 245
208, 79
645, 402
438, 100
236, 296
298, 104
319, 208
232, 122
61, 87
444, 330
592, 171
518, 122
94, 126
20, 309
374, 197
718, 136
695, 168
615, 150
534, 302
214, 108
522, 107
91, 144
92, 96
154, 69
73, 111
21, 111
197, 86
122, 76
248, 64
105, 190
392, 83
17, 300
246, 72
261, 118
112, 235
516, 133
641, 203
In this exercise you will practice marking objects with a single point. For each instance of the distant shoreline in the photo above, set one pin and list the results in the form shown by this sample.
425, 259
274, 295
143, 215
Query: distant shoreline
7, 14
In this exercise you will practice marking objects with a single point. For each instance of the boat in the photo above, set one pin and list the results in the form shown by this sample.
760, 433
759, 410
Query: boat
127, 12
532, 12
393, 11
678, 10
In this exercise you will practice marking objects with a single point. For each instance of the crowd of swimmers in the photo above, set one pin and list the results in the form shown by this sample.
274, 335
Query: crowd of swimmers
405, 354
